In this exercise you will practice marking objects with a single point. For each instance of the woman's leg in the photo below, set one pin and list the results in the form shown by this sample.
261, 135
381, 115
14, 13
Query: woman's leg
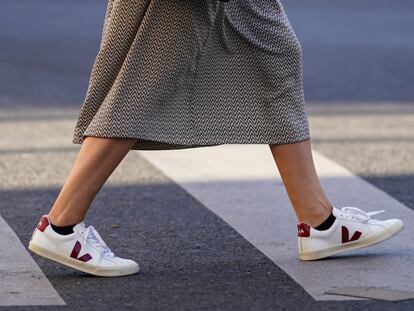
97, 159
296, 167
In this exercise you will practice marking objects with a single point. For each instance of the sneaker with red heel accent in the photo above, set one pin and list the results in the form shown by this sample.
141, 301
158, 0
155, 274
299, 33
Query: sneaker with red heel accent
353, 228
83, 250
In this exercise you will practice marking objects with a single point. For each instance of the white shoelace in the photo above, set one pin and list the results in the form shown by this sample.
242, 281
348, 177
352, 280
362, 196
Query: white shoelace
92, 237
358, 214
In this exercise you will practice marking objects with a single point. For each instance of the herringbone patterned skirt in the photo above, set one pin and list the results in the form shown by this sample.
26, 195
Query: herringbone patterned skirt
190, 73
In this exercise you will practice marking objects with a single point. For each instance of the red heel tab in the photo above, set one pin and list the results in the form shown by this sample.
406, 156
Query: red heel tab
43, 223
303, 230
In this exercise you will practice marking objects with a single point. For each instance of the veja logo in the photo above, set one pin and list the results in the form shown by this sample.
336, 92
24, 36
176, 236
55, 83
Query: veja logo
43, 223
76, 250
303, 230
345, 235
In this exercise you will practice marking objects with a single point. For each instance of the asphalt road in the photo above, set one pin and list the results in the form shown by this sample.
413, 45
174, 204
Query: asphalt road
359, 85
353, 51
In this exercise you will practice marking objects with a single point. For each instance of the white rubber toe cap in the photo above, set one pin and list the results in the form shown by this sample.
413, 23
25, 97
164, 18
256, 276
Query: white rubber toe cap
394, 222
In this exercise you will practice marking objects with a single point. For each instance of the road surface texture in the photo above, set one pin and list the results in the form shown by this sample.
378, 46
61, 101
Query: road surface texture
212, 229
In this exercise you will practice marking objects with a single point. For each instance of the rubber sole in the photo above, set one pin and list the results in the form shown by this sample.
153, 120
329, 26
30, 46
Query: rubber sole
82, 266
339, 248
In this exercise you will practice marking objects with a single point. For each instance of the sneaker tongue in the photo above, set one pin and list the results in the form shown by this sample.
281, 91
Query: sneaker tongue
79, 227
335, 211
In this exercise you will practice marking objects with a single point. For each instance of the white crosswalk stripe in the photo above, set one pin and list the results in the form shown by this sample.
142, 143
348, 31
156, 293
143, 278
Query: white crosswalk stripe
22, 282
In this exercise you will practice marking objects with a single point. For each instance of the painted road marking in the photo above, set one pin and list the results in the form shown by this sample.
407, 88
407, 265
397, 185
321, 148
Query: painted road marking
240, 184
22, 282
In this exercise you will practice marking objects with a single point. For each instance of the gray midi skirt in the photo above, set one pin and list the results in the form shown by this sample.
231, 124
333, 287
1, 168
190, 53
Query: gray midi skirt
190, 73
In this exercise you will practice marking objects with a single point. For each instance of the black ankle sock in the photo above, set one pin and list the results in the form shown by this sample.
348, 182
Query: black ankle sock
63, 229
327, 223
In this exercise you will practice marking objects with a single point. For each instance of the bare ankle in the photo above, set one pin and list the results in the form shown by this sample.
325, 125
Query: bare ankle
315, 216
64, 219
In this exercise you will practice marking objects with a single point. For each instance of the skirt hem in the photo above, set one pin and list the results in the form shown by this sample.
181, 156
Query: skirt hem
151, 143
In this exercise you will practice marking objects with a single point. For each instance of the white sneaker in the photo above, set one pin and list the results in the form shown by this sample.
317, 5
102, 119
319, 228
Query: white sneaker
353, 228
83, 250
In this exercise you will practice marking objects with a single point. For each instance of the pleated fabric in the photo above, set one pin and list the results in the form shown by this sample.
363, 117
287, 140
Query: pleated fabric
190, 73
